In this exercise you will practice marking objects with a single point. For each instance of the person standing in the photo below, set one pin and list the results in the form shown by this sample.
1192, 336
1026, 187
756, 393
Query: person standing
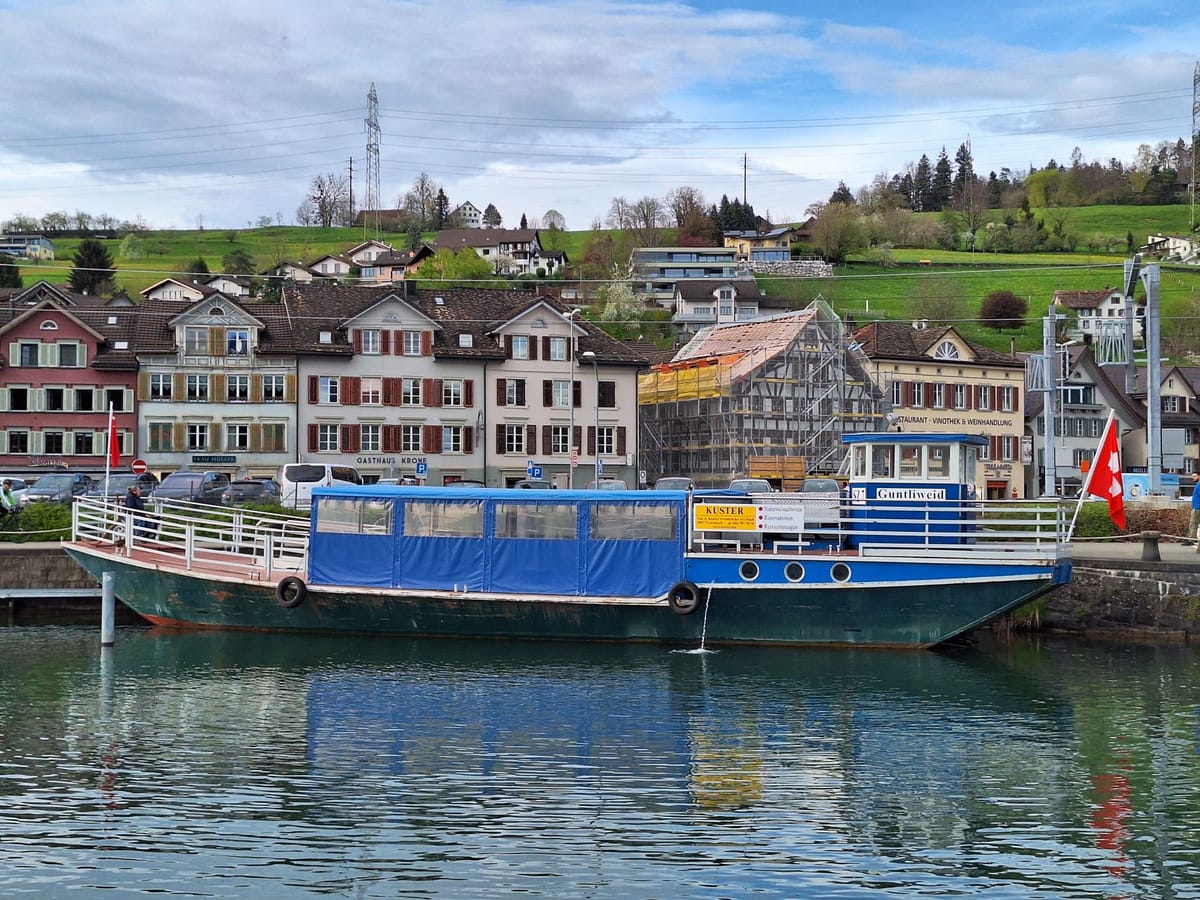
1194, 521
134, 501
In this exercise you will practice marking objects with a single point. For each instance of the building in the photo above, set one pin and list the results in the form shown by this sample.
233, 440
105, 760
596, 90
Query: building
939, 382
65, 362
1098, 316
658, 271
461, 384
784, 385
701, 302
773, 245
467, 215
511, 251
27, 246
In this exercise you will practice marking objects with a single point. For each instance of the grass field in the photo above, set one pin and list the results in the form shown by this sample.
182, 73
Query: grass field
859, 290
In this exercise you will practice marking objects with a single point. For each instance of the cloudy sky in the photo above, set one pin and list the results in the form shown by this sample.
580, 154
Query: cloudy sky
219, 112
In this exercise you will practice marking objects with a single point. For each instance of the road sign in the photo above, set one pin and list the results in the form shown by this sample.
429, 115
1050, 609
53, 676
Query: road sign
599, 466
574, 458
138, 466
422, 468
529, 468
535, 472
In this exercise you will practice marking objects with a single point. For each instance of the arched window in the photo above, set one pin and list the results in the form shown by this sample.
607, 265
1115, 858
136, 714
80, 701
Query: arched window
946, 350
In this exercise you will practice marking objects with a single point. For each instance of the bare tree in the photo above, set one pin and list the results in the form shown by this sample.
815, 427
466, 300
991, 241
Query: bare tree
939, 300
328, 200
554, 219
82, 220
420, 203
685, 202
647, 216
620, 213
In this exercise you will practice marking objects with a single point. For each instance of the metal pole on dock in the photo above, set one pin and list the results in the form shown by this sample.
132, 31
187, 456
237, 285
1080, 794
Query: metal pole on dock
108, 609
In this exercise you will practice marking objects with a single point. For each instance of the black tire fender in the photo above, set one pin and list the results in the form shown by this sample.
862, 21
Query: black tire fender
684, 598
291, 592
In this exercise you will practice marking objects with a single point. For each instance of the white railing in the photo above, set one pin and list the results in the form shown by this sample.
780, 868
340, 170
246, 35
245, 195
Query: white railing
188, 533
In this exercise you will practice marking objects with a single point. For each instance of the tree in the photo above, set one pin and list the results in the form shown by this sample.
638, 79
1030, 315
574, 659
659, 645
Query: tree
554, 219
200, 267
621, 310
419, 204
328, 201
491, 216
10, 275
132, 246
647, 216
441, 209
685, 204
841, 194
524, 222
938, 300
238, 262
838, 231
1003, 309
93, 268
453, 265
943, 182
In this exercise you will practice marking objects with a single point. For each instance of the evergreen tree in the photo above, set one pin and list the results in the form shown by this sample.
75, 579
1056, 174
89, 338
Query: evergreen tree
441, 209
943, 183
524, 222
93, 268
491, 216
199, 266
964, 174
923, 186
841, 194
10, 275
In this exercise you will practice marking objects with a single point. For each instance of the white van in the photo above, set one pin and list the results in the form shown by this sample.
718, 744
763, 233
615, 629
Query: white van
297, 480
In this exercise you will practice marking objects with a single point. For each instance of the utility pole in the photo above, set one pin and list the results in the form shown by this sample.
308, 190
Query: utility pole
351, 216
745, 167
371, 194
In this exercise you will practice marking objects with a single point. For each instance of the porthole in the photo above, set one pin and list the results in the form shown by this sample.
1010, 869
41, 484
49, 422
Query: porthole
840, 572
748, 570
793, 571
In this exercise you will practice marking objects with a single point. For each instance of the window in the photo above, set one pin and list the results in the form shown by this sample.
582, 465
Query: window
452, 392
84, 441
55, 398
160, 436
606, 395
274, 437
237, 388
917, 391
68, 356
273, 388
1169, 404
114, 399
53, 442
945, 350
328, 392
370, 438
18, 399
237, 437
18, 441
160, 386
520, 346
606, 440
412, 343
452, 439
327, 437
370, 341
898, 393
558, 349
561, 393
1008, 447
1008, 401
985, 397
372, 391
29, 356
197, 436
560, 440
84, 400
514, 392
195, 341
939, 395
410, 392
410, 438
197, 388
960, 396
237, 342
514, 439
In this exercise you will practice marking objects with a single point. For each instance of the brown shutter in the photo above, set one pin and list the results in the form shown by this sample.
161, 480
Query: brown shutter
621, 440
216, 341
431, 392
501, 391
143, 388
531, 440
427, 343
533, 346
508, 346
255, 437
576, 394
178, 436
289, 388
391, 391
216, 393
431, 438
547, 393
591, 450
547, 439
468, 440
351, 438
350, 390
468, 393
179, 387
356, 339
500, 446
214, 436
576, 437
312, 437
388, 438
928, 388
314, 389
256, 389
385, 342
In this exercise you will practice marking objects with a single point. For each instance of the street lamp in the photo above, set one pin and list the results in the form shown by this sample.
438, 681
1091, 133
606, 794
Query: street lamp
570, 316
591, 357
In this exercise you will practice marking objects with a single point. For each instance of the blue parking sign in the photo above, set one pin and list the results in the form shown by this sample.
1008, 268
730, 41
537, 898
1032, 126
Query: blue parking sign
422, 468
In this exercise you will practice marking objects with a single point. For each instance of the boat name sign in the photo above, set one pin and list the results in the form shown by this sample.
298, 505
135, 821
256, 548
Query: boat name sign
894, 493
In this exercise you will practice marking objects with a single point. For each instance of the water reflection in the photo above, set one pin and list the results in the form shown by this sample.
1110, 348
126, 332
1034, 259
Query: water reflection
216, 763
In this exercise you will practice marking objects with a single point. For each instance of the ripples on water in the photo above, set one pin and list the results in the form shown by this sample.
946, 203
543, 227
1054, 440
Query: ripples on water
217, 765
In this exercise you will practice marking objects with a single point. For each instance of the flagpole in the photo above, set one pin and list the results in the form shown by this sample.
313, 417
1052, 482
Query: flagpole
1083, 490
108, 455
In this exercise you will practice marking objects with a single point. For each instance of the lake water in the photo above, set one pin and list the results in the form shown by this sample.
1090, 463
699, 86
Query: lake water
221, 765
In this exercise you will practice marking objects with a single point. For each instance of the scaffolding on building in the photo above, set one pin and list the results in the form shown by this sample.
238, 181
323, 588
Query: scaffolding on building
705, 414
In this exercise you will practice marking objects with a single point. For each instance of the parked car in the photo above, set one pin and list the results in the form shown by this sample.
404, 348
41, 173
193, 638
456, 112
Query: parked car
118, 485
608, 484
751, 485
465, 483
57, 487
533, 484
197, 487
251, 490
674, 483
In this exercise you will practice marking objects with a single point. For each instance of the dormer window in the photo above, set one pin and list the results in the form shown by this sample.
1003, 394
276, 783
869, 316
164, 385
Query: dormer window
466, 340
49, 325
946, 350
216, 311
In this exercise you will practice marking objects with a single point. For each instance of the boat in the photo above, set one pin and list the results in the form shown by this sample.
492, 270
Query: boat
912, 558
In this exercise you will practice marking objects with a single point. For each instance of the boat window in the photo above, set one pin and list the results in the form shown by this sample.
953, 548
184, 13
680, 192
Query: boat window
547, 521
939, 461
633, 521
881, 461
910, 462
443, 518
337, 516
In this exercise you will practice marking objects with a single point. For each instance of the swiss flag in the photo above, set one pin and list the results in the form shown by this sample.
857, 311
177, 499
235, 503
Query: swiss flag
1105, 479
114, 445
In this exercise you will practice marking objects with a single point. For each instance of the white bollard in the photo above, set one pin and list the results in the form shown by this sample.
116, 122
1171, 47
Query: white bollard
108, 609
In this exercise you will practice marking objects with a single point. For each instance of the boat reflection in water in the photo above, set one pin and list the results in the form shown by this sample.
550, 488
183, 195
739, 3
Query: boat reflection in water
229, 761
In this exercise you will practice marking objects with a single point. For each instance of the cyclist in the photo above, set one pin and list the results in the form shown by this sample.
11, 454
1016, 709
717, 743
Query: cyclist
8, 503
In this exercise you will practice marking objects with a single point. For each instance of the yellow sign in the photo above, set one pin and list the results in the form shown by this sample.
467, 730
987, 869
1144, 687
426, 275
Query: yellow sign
724, 516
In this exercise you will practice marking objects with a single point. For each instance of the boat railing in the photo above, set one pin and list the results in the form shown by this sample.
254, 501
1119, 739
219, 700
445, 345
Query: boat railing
190, 534
1015, 528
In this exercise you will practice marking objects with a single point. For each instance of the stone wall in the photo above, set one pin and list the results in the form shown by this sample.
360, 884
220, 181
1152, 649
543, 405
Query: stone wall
25, 567
1160, 600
